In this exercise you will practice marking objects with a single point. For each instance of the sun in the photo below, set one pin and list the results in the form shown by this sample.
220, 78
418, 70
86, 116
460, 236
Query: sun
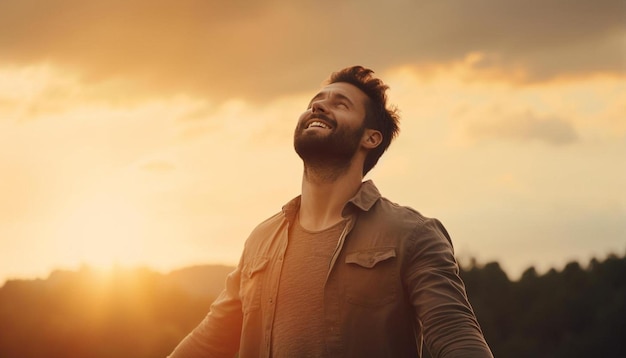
103, 231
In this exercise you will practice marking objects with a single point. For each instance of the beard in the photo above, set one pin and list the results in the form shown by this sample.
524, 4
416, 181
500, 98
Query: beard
327, 151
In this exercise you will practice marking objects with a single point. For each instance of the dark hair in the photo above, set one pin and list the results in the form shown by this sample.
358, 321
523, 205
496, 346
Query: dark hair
377, 115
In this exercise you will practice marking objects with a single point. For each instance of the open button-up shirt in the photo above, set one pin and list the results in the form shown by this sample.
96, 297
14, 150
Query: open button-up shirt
392, 286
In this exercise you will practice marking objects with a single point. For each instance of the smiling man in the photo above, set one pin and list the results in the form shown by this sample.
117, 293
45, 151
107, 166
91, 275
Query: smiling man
341, 271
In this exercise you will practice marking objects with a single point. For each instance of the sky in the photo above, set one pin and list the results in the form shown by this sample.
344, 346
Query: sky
160, 133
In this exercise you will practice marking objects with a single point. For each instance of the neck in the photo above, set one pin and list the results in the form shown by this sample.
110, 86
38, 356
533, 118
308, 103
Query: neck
325, 192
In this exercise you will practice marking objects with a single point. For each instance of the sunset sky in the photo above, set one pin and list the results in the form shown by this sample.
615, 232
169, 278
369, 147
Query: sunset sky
159, 133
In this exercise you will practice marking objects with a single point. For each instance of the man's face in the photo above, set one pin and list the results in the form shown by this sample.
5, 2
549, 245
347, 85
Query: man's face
329, 132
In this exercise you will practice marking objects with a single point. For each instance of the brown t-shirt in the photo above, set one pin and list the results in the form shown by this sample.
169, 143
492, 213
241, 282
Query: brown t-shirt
299, 321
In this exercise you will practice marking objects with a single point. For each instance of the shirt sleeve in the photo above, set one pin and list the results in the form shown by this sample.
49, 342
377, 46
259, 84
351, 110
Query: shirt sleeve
438, 296
219, 333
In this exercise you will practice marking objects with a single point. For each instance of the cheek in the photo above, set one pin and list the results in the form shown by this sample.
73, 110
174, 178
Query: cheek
356, 121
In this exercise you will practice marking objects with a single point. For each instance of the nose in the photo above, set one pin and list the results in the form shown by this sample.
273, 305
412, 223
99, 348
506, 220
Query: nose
319, 106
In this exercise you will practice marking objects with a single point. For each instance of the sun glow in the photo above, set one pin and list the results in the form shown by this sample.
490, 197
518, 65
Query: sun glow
103, 232
172, 181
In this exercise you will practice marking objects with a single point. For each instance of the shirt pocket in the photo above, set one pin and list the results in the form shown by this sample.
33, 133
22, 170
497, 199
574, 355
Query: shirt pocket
372, 277
251, 283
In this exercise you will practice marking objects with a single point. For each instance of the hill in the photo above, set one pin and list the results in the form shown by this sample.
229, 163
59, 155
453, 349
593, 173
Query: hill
89, 313
200, 280
576, 312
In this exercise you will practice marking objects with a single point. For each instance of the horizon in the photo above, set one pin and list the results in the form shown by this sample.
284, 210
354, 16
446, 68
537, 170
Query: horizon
465, 264
123, 140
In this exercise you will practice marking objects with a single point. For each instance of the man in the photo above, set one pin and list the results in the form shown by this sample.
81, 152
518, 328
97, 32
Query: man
342, 271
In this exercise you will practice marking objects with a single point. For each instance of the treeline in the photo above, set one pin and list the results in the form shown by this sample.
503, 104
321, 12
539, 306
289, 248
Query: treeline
575, 312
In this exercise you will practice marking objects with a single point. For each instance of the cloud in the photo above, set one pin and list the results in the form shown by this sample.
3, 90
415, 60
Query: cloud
257, 50
525, 127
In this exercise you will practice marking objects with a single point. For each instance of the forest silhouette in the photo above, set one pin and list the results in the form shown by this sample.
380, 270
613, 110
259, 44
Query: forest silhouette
575, 312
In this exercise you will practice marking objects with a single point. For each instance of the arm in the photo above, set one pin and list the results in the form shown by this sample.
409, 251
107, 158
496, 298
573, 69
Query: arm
438, 296
219, 333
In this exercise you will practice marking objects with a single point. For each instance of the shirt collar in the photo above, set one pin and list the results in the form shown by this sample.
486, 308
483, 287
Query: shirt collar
364, 199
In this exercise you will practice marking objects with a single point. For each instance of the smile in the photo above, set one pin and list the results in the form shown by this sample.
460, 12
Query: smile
318, 124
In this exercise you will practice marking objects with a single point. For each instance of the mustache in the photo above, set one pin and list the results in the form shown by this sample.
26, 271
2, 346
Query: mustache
321, 116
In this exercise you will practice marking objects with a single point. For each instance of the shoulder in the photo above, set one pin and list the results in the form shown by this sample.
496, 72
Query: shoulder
396, 215
259, 244
268, 226
390, 210
271, 225
405, 219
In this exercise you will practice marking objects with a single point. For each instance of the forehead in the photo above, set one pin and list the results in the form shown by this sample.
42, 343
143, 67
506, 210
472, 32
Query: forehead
344, 89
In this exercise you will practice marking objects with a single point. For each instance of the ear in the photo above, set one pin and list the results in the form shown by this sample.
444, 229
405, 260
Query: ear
371, 138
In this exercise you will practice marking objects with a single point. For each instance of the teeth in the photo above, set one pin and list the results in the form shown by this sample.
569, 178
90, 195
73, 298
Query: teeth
318, 124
